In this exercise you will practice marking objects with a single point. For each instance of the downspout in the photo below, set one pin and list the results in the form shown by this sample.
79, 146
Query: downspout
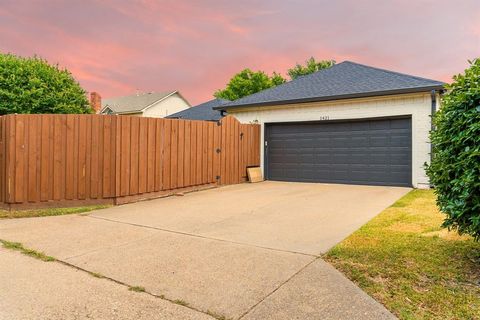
432, 126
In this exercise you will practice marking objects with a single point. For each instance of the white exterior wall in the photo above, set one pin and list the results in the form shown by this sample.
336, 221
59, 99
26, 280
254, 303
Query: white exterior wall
418, 106
166, 107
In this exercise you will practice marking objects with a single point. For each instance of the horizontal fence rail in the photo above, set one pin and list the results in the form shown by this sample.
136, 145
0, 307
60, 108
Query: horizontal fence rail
88, 158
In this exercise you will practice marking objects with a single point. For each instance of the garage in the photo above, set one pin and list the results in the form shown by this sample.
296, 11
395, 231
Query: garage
371, 152
348, 124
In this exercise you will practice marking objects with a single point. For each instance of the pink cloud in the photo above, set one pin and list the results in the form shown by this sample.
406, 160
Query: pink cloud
117, 46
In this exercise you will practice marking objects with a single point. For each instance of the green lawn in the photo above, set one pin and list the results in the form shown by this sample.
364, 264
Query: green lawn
405, 260
47, 212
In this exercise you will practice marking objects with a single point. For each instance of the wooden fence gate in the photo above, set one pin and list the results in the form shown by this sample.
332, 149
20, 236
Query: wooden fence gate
55, 160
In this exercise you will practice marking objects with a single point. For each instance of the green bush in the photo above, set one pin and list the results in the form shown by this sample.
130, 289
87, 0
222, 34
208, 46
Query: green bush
31, 85
248, 82
455, 168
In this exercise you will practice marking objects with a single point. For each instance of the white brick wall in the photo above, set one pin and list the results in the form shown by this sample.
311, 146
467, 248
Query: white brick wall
416, 105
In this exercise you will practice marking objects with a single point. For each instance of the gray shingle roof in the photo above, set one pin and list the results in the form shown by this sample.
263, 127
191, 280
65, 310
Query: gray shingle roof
135, 102
202, 111
341, 81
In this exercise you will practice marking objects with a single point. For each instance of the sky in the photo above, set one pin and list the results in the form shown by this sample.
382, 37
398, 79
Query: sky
116, 47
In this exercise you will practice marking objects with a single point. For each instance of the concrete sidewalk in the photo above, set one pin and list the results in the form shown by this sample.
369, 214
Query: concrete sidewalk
32, 289
245, 251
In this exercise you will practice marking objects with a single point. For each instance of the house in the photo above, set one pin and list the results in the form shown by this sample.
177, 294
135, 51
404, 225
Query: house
202, 111
350, 123
148, 104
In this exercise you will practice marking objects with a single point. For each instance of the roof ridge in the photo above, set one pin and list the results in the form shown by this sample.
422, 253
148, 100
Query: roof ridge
142, 94
390, 71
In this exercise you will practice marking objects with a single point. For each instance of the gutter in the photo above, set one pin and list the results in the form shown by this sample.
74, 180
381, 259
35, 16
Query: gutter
330, 98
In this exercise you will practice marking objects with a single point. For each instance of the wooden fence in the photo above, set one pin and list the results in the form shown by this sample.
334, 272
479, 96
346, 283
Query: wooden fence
79, 159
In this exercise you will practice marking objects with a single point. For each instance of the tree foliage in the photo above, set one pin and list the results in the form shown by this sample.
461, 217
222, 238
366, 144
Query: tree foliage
247, 82
31, 85
311, 66
455, 168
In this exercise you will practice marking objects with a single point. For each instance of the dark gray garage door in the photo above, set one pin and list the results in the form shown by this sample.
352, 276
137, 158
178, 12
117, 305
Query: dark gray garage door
374, 152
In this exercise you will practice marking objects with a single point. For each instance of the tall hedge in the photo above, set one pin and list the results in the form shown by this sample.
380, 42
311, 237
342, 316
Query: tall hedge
31, 85
455, 168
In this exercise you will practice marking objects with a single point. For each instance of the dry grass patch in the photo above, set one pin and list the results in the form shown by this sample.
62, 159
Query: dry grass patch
136, 289
405, 260
17, 246
4, 214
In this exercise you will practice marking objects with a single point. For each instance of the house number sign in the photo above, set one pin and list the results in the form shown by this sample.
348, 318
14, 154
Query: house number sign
324, 118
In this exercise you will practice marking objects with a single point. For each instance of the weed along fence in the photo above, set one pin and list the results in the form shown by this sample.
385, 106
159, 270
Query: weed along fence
55, 160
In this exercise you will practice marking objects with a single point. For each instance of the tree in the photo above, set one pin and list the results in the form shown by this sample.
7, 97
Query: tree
455, 167
247, 82
311, 66
31, 85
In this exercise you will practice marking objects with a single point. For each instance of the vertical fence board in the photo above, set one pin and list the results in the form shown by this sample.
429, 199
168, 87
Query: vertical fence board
150, 170
187, 163
216, 151
142, 155
199, 152
167, 142
95, 157
193, 153
134, 154
69, 165
44, 176
223, 152
236, 153
108, 149
88, 155
101, 154
159, 154
32, 191
174, 155
20, 157
125, 156
205, 152
57, 157
181, 154
82, 156
26, 151
210, 152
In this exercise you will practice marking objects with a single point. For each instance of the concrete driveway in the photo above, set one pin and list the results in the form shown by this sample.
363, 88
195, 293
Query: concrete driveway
246, 251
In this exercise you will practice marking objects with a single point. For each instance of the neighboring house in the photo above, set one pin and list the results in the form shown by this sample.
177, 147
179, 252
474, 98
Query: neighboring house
149, 104
202, 111
350, 123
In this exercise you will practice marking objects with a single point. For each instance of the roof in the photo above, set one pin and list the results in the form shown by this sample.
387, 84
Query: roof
202, 111
341, 81
136, 102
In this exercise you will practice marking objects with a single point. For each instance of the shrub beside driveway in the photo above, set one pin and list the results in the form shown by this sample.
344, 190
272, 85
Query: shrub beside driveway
405, 260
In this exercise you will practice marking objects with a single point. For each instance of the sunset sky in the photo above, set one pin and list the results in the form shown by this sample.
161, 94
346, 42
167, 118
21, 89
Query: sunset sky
115, 47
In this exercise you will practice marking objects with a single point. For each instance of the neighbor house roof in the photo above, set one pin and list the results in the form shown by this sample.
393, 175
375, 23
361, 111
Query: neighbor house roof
342, 81
136, 102
202, 111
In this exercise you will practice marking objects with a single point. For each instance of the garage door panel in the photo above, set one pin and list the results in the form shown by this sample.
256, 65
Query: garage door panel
404, 123
359, 141
399, 159
379, 141
400, 141
400, 175
374, 152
